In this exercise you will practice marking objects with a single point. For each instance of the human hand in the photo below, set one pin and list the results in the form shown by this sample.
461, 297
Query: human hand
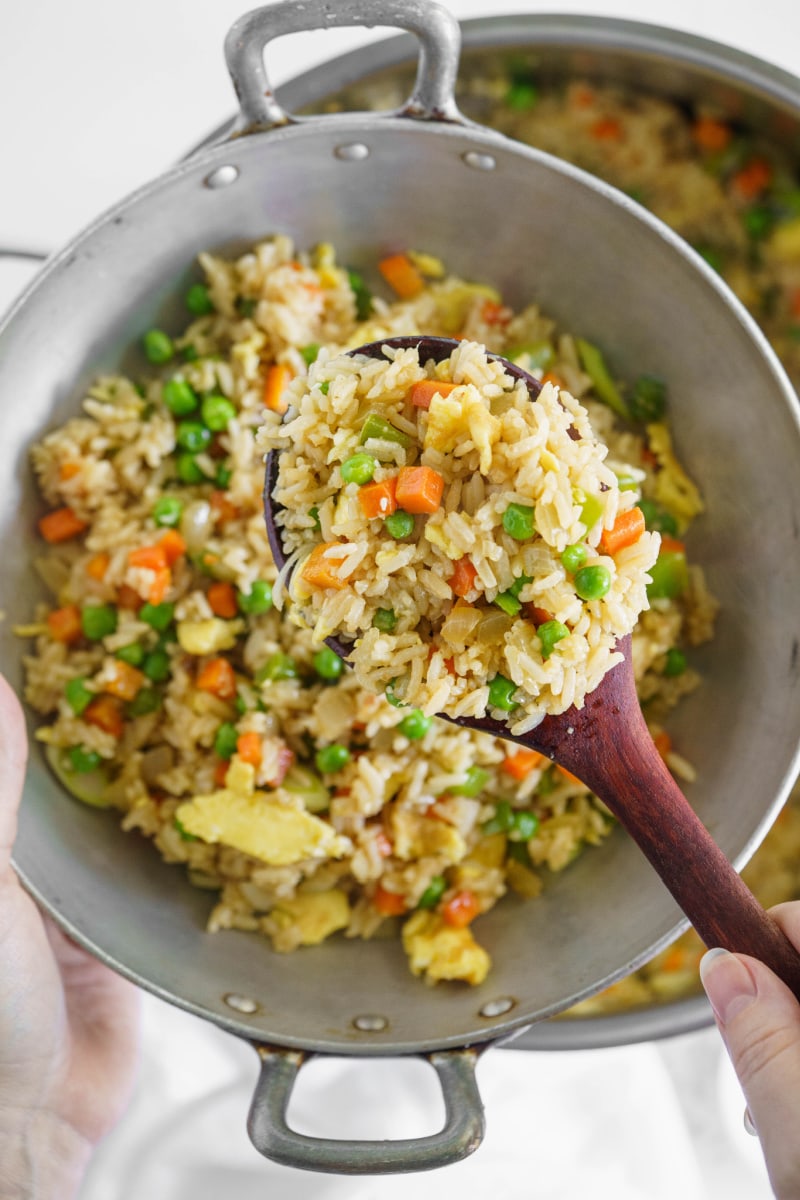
68, 1025
759, 1020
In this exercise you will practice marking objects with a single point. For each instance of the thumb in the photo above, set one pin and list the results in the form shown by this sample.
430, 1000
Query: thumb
759, 1020
13, 756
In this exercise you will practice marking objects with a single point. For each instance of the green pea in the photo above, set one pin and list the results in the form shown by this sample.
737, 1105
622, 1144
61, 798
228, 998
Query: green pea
324, 387
278, 666
258, 600
189, 353
399, 524
508, 602
501, 691
309, 353
518, 522
415, 725
502, 821
225, 740
198, 300
192, 436
167, 511
676, 662
475, 780
158, 346
179, 397
658, 518
433, 892
98, 621
549, 633
188, 469
384, 619
157, 665
592, 583
82, 760
157, 616
376, 426
146, 700
524, 826
332, 758
327, 664
78, 695
217, 413
359, 468
521, 96
573, 557
648, 399
132, 654
758, 221
313, 512
712, 256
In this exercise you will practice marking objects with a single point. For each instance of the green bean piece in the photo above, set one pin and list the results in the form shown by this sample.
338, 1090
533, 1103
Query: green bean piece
258, 600
327, 664
361, 294
648, 399
198, 300
551, 632
399, 524
313, 512
541, 355
669, 576
225, 740
359, 468
521, 96
675, 663
98, 621
167, 511
82, 760
595, 367
384, 619
519, 583
332, 758
502, 821
185, 836
712, 256
179, 397
658, 518
157, 616
78, 695
518, 522
309, 353
591, 511
158, 346
433, 892
475, 780
376, 426
217, 413
415, 725
246, 306
132, 654
573, 557
390, 693
592, 583
223, 476
508, 603
303, 782
524, 826
501, 691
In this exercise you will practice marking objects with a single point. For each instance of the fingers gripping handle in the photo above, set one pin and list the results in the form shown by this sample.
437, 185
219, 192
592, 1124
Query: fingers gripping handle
439, 36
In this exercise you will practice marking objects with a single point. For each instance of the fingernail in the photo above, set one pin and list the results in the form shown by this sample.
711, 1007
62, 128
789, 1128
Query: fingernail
728, 984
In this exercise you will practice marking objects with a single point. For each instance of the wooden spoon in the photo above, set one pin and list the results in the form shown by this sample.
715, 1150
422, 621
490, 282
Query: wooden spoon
607, 745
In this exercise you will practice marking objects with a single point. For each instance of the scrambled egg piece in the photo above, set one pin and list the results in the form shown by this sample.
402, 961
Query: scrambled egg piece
248, 820
438, 951
208, 637
674, 489
460, 416
784, 242
415, 835
313, 916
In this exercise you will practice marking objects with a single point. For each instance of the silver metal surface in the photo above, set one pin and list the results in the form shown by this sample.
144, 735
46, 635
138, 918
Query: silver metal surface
571, 245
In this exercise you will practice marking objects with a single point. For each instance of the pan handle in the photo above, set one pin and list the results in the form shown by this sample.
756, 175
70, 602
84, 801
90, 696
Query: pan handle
270, 1134
433, 98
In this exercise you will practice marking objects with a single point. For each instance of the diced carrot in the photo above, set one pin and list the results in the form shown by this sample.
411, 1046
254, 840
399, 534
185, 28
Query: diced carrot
61, 524
151, 558
68, 470
671, 545
551, 377
391, 904
450, 666
419, 489
568, 775
124, 680
520, 765
162, 581
423, 392
105, 713
493, 313
663, 743
216, 676
711, 134
248, 747
97, 566
286, 758
223, 508
538, 616
383, 843
461, 909
403, 277
752, 179
673, 960
128, 597
378, 499
464, 575
794, 303
173, 545
319, 571
582, 96
606, 129
627, 529
64, 624
220, 772
222, 600
275, 383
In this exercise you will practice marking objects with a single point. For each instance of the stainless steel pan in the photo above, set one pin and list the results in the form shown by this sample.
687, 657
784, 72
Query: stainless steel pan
537, 229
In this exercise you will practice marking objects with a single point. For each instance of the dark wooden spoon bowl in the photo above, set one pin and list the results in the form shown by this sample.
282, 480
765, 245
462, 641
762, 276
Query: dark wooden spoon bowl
607, 745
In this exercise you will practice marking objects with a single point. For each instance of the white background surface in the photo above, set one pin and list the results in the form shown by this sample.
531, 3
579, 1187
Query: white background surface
95, 98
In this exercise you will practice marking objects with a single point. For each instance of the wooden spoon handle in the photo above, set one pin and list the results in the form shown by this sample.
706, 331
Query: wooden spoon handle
628, 774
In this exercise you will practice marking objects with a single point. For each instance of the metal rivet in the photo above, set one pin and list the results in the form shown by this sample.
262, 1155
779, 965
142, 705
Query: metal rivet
496, 1008
242, 1004
352, 151
370, 1023
481, 162
222, 177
